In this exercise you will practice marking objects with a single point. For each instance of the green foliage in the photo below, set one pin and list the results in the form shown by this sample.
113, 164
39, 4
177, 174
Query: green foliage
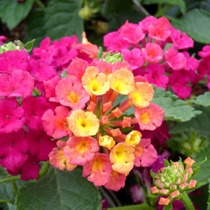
168, 207
12, 12
59, 190
203, 100
118, 11
208, 203
204, 172
35, 26
59, 19
175, 109
143, 206
29, 45
187, 143
62, 19
199, 123
199, 4
117, 6
179, 3
11, 206
201, 199
195, 23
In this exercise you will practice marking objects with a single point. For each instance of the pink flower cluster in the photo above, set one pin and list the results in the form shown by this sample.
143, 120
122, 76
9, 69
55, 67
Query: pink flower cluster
23, 141
204, 67
157, 50
72, 96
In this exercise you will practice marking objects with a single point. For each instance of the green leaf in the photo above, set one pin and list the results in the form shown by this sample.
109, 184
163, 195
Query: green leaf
201, 199
168, 207
195, 171
13, 12
194, 24
203, 100
143, 206
116, 6
175, 108
62, 19
179, 3
35, 28
11, 206
199, 4
29, 45
59, 190
204, 172
152, 174
59, 19
199, 123
208, 207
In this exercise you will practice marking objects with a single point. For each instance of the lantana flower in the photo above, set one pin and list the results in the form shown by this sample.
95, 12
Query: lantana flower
96, 140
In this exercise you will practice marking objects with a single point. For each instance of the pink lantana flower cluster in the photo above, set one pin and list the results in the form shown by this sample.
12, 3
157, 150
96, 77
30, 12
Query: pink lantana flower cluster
204, 67
23, 141
156, 51
100, 135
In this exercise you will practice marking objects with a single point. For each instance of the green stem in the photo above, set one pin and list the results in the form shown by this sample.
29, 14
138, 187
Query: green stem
44, 169
161, 11
39, 4
140, 8
186, 201
9, 178
4, 201
14, 186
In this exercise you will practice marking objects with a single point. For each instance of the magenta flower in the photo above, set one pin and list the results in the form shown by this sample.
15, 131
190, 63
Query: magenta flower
178, 83
34, 109
11, 116
160, 29
131, 32
155, 75
29, 170
175, 60
13, 150
152, 53
49, 87
205, 52
146, 22
2, 38
159, 163
14, 60
113, 41
40, 144
40, 70
181, 40
133, 57
192, 63
18, 84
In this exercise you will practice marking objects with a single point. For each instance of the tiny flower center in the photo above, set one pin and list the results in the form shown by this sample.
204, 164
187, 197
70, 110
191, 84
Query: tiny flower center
8, 117
73, 97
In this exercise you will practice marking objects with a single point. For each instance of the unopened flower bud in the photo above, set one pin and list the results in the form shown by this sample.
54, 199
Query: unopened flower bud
85, 13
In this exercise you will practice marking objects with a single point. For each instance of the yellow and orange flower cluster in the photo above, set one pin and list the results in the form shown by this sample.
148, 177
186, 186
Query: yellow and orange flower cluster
102, 139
